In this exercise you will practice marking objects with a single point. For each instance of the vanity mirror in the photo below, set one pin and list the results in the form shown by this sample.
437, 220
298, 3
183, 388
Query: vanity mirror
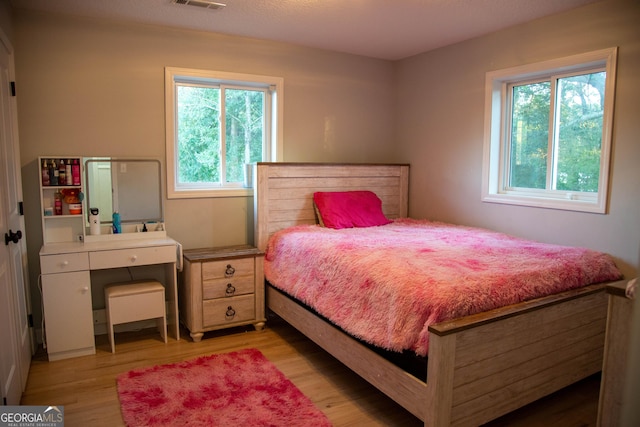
131, 187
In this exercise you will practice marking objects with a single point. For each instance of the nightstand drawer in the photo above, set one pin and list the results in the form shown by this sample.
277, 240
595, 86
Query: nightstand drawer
227, 268
132, 256
225, 288
64, 263
228, 310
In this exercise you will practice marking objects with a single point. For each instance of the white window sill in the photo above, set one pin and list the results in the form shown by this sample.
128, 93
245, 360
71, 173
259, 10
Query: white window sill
207, 193
547, 202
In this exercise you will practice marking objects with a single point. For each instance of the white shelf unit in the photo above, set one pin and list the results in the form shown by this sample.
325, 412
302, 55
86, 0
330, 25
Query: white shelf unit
66, 227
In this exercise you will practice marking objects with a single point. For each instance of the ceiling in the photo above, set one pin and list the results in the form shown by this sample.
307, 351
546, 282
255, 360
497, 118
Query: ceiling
385, 29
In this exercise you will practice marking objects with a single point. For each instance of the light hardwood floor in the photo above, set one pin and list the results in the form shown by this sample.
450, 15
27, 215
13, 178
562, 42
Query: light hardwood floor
87, 389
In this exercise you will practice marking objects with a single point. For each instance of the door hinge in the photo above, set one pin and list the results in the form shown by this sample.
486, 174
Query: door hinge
21, 208
13, 88
30, 320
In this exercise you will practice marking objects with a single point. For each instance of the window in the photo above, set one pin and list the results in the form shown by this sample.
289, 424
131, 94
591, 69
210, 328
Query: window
548, 133
216, 123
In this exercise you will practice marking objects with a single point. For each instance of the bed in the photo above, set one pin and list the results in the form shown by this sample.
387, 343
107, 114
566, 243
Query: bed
480, 366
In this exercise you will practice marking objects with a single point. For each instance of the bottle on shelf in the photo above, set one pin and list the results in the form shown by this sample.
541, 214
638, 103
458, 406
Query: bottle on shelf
53, 172
62, 173
58, 203
117, 225
94, 221
75, 208
75, 172
68, 173
45, 174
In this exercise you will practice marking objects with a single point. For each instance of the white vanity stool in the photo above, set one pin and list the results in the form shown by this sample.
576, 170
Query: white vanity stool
133, 301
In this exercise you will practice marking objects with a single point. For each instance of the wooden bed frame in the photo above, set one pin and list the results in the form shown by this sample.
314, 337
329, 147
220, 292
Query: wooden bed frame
479, 367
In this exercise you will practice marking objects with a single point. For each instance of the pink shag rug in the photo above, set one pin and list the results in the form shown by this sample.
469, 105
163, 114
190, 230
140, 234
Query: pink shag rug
240, 388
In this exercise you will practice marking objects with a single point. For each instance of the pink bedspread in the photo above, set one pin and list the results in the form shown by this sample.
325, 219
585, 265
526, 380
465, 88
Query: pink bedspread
387, 284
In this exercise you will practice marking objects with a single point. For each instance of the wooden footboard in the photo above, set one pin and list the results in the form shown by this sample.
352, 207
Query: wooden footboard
486, 365
482, 366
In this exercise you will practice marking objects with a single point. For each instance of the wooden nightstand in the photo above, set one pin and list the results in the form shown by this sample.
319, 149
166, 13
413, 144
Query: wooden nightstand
220, 288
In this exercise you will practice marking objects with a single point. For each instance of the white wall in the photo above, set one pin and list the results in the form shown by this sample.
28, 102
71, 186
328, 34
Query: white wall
96, 88
440, 124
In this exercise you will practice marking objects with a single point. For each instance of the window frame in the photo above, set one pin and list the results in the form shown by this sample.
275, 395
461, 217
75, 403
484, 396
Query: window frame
496, 134
273, 127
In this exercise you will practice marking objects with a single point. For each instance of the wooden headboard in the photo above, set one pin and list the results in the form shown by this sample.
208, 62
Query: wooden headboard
283, 192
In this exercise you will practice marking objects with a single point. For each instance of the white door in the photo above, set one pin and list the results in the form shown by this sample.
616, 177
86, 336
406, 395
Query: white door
15, 334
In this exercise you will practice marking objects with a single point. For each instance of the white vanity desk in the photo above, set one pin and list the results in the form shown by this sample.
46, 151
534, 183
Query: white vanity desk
67, 280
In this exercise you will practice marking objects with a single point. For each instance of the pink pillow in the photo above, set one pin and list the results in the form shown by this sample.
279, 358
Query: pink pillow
348, 209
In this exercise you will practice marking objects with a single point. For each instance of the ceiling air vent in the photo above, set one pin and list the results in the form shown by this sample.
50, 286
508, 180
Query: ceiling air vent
207, 4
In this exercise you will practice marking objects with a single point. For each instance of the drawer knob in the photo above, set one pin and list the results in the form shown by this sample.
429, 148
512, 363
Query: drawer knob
85, 289
134, 258
230, 290
229, 271
231, 313
64, 263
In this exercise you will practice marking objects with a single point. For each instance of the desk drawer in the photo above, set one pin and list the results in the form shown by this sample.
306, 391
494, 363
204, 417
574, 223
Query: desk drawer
132, 257
63, 263
219, 312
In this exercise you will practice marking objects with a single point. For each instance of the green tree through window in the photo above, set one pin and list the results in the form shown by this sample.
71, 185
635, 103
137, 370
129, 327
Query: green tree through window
217, 123
579, 142
200, 135
530, 135
245, 130
557, 145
